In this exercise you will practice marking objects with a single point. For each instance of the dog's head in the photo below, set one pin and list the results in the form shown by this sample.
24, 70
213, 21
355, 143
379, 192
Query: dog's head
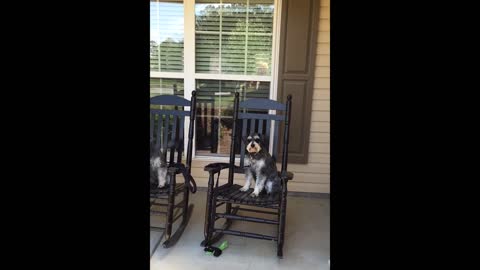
255, 143
154, 149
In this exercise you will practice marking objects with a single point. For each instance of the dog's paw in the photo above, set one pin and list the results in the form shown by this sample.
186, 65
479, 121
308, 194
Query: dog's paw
243, 189
254, 194
161, 185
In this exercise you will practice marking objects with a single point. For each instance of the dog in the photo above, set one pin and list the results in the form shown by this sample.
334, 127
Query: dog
262, 169
158, 167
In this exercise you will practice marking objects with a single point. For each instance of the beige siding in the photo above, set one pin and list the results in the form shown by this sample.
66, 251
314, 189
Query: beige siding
314, 176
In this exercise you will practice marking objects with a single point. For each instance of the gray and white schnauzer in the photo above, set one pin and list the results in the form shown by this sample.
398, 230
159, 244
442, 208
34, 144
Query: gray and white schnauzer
158, 167
262, 169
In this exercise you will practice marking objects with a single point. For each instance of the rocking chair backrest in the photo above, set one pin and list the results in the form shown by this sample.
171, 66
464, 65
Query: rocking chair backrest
252, 115
167, 126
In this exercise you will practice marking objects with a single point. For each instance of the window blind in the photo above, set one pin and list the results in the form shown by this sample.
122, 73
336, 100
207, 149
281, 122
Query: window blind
166, 35
234, 36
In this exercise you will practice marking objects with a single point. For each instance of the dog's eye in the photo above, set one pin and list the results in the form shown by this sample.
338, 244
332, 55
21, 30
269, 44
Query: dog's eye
257, 140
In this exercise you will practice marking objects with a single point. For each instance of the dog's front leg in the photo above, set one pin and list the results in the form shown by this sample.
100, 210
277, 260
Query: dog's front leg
259, 185
162, 177
248, 181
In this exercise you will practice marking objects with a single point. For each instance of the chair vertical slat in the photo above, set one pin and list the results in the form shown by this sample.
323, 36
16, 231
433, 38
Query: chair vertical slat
159, 130
286, 134
252, 125
260, 126
152, 125
275, 140
180, 138
267, 133
233, 145
242, 148
204, 110
206, 113
166, 126
191, 125
212, 126
174, 139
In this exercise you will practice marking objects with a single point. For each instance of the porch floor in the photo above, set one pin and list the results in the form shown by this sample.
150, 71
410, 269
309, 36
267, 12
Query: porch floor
307, 240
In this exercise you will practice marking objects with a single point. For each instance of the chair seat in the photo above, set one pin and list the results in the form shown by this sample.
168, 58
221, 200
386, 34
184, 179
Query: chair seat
164, 190
233, 194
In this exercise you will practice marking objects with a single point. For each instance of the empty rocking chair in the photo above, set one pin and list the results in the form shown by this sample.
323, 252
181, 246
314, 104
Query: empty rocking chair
166, 133
248, 121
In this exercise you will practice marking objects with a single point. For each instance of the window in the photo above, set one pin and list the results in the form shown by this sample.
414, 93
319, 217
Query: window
160, 86
233, 37
217, 47
166, 47
166, 36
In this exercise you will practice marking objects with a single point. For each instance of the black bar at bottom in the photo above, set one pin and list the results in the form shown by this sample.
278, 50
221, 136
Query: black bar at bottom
152, 228
157, 213
246, 218
257, 211
246, 234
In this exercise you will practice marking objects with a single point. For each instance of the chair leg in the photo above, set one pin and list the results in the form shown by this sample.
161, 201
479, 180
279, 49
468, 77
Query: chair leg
213, 209
228, 208
185, 205
171, 206
228, 222
281, 225
157, 244
187, 212
206, 230
178, 233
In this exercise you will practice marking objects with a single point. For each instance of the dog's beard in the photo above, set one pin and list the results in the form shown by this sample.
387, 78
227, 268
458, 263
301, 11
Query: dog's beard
253, 150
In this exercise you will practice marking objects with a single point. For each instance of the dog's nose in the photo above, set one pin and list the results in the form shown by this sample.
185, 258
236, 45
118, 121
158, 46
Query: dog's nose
253, 144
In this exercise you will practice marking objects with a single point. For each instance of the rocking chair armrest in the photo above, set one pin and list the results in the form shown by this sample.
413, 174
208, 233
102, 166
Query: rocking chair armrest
173, 170
175, 167
286, 175
216, 167
189, 181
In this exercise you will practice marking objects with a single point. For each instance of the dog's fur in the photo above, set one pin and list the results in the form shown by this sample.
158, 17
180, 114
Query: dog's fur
262, 169
158, 168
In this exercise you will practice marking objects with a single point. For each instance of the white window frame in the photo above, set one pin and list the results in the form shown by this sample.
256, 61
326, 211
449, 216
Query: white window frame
190, 76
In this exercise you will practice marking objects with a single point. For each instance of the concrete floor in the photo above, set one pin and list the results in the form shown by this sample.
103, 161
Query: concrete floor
307, 241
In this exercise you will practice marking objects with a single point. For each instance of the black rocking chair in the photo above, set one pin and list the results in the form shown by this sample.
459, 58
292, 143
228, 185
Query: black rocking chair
229, 193
167, 126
